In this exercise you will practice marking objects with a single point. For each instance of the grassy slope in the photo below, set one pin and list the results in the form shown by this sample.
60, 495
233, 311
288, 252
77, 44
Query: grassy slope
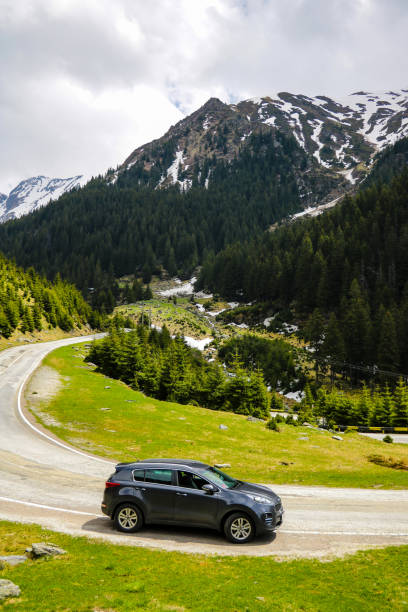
119, 578
136, 426
45, 335
180, 318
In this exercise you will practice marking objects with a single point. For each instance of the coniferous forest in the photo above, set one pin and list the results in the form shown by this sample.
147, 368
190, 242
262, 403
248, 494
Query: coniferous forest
29, 302
103, 231
378, 407
342, 275
151, 361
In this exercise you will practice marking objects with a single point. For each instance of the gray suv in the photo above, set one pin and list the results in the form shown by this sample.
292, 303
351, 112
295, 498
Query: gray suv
186, 492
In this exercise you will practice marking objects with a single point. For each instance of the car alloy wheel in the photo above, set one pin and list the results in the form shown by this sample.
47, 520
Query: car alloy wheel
128, 518
239, 529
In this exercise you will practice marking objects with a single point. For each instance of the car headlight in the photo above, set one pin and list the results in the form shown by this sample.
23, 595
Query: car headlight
260, 499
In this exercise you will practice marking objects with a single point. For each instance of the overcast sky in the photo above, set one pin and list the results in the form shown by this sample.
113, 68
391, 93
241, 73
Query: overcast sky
84, 82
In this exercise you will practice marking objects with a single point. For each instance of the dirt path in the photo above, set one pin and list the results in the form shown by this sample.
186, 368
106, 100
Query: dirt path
44, 480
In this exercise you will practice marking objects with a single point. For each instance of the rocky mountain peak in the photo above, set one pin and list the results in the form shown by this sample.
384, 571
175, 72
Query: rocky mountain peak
33, 193
339, 137
213, 104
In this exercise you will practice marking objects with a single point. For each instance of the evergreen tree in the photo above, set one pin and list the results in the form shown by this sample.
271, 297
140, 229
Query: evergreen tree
399, 414
387, 355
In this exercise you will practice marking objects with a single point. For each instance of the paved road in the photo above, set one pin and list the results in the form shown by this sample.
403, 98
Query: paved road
399, 438
43, 480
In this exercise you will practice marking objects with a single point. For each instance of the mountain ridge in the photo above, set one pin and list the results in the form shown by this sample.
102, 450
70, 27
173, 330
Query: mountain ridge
340, 136
33, 193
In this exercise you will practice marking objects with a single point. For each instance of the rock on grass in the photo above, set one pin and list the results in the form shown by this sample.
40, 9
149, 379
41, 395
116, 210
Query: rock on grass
44, 549
8, 589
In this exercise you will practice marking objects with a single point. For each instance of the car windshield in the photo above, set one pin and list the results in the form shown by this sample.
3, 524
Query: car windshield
219, 478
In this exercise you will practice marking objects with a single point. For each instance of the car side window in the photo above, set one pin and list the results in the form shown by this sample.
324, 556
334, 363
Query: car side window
138, 475
164, 477
189, 480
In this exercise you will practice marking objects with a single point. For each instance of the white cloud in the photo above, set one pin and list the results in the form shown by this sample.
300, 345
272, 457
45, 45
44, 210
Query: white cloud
84, 83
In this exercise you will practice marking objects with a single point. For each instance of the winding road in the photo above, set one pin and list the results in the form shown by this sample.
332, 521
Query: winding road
43, 480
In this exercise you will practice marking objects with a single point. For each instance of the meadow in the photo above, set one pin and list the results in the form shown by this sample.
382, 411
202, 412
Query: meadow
104, 416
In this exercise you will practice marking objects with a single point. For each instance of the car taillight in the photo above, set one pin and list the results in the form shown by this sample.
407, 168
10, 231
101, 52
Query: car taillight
109, 485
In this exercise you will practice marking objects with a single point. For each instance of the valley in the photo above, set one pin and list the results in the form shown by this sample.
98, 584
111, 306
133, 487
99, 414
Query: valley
43, 469
232, 286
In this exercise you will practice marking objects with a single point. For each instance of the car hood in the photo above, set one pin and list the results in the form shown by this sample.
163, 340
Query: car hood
254, 489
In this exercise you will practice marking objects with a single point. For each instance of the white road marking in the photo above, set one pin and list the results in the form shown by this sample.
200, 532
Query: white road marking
41, 433
288, 531
347, 533
6, 367
24, 503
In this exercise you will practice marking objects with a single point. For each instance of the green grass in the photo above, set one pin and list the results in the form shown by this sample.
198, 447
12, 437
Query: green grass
181, 318
136, 426
95, 576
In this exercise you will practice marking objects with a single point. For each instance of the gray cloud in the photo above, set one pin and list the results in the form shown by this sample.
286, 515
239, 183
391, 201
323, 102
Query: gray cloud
83, 83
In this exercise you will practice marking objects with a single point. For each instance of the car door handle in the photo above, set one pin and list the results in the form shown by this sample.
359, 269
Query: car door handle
183, 494
140, 489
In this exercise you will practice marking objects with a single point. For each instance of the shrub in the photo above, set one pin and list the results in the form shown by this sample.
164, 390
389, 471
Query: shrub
390, 462
388, 439
273, 425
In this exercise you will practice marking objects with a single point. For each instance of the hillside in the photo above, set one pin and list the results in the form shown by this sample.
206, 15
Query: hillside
338, 136
106, 230
348, 268
30, 303
224, 174
169, 429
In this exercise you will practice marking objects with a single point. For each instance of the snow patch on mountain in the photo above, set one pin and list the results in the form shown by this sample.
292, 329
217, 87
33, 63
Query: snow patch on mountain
379, 118
314, 211
339, 137
34, 193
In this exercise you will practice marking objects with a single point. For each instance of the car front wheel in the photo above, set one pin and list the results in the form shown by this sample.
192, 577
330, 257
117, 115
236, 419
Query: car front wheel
128, 518
239, 528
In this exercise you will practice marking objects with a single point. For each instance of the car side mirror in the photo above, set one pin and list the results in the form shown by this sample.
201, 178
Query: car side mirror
209, 488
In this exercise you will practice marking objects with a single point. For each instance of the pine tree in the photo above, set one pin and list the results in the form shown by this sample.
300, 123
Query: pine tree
376, 418
362, 408
399, 415
387, 352
307, 406
276, 402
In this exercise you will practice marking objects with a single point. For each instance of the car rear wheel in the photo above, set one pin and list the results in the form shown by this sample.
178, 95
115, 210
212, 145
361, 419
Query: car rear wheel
239, 528
128, 518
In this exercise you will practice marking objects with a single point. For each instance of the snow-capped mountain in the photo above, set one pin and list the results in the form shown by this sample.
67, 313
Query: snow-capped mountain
34, 193
340, 137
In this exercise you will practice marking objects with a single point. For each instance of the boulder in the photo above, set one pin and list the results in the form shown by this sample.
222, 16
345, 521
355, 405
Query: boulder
337, 438
252, 419
12, 559
222, 465
222, 427
44, 549
8, 589
303, 438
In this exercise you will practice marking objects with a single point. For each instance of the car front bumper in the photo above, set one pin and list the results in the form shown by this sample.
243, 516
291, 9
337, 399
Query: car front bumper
268, 522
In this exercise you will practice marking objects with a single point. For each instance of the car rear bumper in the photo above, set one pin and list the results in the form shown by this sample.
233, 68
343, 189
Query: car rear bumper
105, 510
